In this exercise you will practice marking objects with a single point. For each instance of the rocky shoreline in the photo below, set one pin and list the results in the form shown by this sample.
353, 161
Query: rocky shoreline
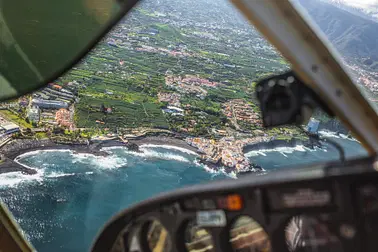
156, 140
255, 168
20, 146
310, 143
8, 165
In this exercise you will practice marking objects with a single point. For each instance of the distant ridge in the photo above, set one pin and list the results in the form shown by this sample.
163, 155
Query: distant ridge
354, 36
367, 10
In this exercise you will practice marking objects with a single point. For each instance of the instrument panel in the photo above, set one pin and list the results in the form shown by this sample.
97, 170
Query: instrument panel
327, 207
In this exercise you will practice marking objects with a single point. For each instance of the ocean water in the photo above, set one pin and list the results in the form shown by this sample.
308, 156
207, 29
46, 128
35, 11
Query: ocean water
63, 207
286, 157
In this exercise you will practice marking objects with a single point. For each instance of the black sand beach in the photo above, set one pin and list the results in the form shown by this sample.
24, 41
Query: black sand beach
20, 146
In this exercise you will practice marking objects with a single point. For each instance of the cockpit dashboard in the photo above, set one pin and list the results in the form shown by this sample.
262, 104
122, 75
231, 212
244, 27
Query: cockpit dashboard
327, 207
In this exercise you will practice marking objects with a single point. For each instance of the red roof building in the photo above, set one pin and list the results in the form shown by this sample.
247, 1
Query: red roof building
63, 118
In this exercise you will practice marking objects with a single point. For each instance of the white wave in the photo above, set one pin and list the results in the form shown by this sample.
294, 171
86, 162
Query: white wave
108, 162
326, 133
343, 136
283, 150
26, 166
148, 154
219, 171
112, 148
283, 154
149, 146
58, 175
205, 167
254, 153
232, 175
36, 152
300, 148
12, 179
310, 149
169, 147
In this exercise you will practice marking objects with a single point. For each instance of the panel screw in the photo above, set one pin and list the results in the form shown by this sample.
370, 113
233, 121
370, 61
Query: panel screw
347, 231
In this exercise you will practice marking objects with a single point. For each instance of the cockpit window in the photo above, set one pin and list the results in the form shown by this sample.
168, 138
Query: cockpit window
349, 25
166, 100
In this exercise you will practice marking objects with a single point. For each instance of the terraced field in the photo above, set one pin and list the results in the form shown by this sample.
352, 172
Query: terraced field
127, 70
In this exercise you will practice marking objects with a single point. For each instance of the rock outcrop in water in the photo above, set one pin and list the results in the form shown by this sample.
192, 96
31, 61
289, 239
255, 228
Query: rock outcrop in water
133, 147
212, 165
253, 168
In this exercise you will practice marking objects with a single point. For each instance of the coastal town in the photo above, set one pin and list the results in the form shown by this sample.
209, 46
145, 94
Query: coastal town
40, 118
43, 116
170, 77
226, 152
50, 112
168, 103
159, 74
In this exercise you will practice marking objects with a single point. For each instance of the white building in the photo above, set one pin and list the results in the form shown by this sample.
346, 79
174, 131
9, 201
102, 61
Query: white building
313, 125
9, 128
49, 104
33, 114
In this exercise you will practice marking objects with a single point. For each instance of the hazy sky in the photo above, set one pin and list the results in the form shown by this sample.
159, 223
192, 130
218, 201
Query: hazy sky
362, 3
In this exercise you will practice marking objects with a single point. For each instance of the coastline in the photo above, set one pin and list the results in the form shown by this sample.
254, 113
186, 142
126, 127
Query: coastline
21, 146
156, 140
8, 165
280, 143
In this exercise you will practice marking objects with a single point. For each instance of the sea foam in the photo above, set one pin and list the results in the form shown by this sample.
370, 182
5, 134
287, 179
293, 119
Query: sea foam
169, 147
58, 175
283, 150
109, 148
12, 179
108, 162
36, 152
215, 172
326, 133
149, 153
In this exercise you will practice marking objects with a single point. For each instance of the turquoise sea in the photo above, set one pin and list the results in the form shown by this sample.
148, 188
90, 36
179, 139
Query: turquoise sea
63, 206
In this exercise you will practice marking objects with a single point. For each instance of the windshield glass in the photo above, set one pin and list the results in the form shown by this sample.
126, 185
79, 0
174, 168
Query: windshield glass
166, 100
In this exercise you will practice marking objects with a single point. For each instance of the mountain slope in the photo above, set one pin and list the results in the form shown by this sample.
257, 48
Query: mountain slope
364, 9
354, 36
